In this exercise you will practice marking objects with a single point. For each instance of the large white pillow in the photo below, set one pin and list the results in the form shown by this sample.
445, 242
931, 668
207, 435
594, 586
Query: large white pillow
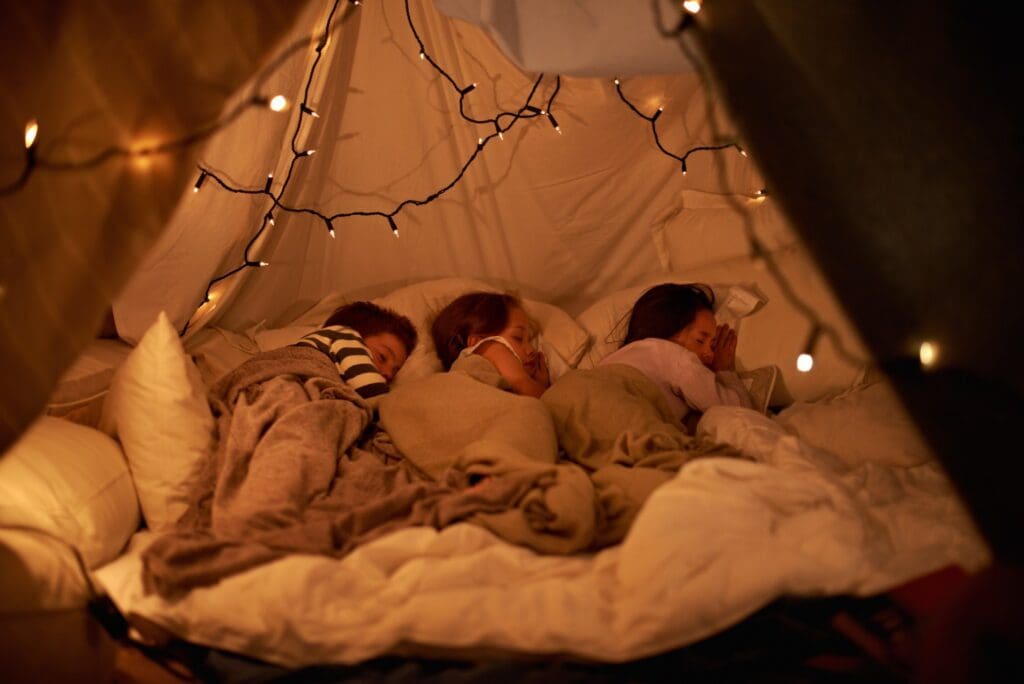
562, 339
157, 408
71, 482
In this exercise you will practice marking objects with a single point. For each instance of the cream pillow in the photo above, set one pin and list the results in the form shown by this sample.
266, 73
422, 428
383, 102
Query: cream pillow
865, 424
70, 482
157, 408
561, 339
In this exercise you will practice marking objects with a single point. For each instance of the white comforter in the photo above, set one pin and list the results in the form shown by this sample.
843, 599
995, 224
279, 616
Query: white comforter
722, 539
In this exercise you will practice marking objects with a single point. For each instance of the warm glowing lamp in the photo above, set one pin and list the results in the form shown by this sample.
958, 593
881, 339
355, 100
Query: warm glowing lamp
278, 103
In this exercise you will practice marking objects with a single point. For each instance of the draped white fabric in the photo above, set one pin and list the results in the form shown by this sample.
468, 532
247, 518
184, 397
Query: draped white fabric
564, 217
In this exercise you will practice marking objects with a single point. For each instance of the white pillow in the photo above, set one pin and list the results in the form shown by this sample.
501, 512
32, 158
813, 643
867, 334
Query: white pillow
157, 408
562, 340
72, 482
864, 424
607, 319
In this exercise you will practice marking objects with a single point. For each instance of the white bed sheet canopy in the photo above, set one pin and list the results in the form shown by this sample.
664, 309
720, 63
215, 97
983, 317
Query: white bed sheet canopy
564, 215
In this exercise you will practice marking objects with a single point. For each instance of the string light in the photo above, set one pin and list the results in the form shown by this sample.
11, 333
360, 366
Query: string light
31, 131
928, 352
278, 103
692, 6
528, 110
805, 361
652, 119
199, 181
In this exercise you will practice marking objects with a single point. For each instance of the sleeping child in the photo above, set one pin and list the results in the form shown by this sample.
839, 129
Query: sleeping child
674, 340
623, 419
496, 327
367, 343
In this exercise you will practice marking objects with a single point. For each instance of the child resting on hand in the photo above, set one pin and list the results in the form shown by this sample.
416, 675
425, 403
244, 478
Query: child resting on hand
367, 343
674, 339
496, 327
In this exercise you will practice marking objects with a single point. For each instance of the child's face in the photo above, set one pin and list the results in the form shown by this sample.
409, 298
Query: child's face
699, 336
387, 352
519, 333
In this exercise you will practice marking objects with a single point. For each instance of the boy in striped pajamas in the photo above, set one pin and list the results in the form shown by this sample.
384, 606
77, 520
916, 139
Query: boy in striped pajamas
367, 343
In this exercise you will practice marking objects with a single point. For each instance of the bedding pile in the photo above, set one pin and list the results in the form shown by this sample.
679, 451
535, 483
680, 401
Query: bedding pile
719, 539
300, 467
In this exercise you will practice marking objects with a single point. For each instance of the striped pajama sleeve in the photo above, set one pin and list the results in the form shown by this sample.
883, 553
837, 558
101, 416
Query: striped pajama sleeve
349, 353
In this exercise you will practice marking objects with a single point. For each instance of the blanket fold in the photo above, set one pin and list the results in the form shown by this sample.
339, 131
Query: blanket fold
615, 423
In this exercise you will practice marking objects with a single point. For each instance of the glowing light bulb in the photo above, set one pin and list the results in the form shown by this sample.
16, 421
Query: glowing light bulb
804, 362
479, 142
928, 353
742, 151
270, 179
310, 153
393, 225
199, 181
692, 6
617, 81
31, 131
264, 263
278, 103
330, 228
423, 55
312, 113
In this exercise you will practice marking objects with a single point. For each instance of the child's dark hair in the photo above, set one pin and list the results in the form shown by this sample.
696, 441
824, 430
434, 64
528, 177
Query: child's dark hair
366, 318
475, 313
664, 310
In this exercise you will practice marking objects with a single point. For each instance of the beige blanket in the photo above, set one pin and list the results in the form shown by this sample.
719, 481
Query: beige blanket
466, 420
615, 422
300, 466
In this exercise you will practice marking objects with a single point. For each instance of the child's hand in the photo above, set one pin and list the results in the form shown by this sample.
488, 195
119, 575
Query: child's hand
724, 346
537, 368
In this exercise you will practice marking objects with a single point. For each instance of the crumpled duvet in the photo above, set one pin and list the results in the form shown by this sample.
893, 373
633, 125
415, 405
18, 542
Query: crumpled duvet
300, 467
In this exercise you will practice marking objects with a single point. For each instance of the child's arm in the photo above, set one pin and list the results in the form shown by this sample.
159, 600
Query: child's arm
703, 388
512, 370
